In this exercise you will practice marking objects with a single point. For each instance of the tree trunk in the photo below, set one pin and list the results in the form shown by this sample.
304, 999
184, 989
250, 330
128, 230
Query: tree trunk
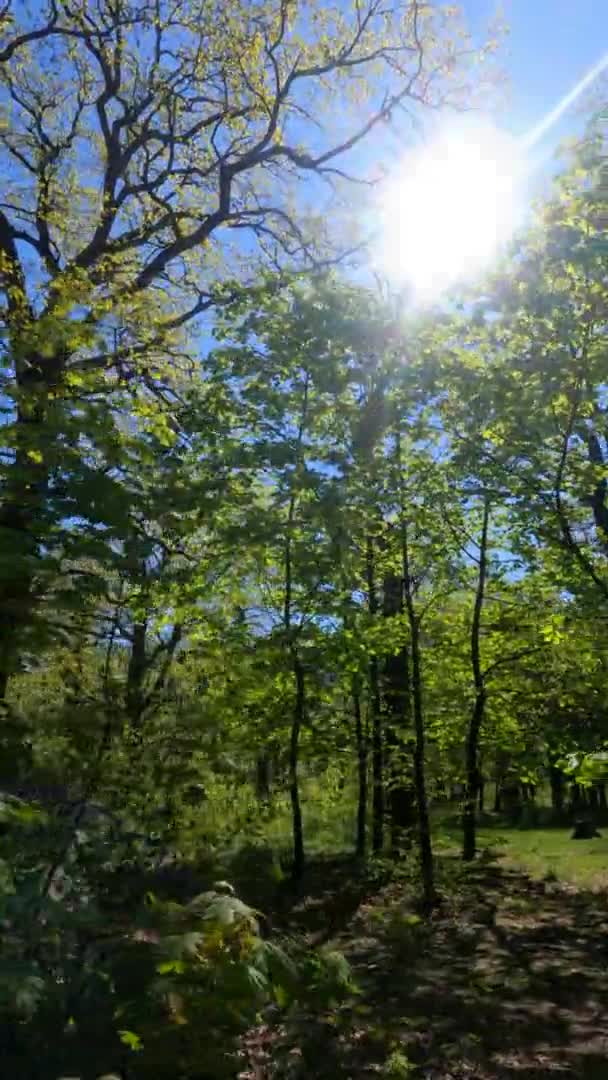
377, 760
424, 826
361, 741
481, 793
376, 713
578, 797
429, 896
498, 797
400, 792
469, 838
136, 671
4, 677
599, 496
262, 777
294, 783
556, 779
23, 500
298, 670
469, 829
601, 796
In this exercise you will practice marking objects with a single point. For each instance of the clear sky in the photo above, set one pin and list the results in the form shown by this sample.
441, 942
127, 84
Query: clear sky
550, 46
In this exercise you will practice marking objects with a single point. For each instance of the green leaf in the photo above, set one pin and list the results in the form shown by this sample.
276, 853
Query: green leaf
171, 967
130, 1039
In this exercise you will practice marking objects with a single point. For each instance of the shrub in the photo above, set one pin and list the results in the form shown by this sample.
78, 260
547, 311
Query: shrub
163, 992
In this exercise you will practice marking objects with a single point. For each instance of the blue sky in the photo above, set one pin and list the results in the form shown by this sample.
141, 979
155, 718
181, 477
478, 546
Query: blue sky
550, 46
449, 209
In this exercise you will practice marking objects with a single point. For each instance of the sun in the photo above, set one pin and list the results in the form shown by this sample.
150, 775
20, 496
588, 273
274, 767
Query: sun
450, 207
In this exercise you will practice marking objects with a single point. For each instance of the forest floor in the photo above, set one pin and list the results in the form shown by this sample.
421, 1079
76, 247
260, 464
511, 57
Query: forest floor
508, 979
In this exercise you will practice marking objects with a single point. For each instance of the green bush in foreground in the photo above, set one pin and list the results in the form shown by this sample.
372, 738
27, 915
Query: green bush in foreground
165, 991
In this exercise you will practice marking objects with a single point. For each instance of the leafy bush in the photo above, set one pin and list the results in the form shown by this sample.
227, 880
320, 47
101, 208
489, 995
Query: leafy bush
398, 1066
164, 991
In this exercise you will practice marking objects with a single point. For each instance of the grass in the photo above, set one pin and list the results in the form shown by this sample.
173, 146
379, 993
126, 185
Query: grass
329, 826
540, 852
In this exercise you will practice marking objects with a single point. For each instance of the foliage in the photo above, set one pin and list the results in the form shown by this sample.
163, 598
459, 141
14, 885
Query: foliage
163, 989
275, 556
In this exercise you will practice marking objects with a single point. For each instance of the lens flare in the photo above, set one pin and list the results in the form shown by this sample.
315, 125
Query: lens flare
555, 114
451, 207
456, 201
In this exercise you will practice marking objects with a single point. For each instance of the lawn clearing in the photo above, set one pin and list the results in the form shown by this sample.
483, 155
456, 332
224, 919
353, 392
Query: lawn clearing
552, 851
540, 852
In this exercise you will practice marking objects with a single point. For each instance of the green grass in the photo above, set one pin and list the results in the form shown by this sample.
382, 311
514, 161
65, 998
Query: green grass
552, 851
329, 825
540, 852
329, 828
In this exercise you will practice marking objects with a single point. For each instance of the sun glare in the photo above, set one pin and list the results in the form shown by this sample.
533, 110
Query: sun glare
449, 209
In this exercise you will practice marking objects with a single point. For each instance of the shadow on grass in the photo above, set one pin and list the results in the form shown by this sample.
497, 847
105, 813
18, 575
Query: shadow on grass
509, 981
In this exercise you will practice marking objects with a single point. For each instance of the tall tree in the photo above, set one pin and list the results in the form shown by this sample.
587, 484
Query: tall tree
539, 369
472, 781
136, 141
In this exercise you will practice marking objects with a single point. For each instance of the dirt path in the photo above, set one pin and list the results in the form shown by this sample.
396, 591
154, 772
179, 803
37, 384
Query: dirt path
509, 982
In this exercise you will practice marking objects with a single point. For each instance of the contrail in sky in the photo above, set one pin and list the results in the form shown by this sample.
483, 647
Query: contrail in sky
552, 117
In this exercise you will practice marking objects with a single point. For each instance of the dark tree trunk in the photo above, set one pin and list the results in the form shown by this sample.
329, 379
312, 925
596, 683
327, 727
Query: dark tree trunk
135, 696
511, 796
298, 670
262, 777
377, 760
400, 791
376, 714
361, 741
599, 496
424, 826
469, 830
498, 797
469, 838
481, 793
578, 797
23, 500
601, 796
294, 782
429, 896
556, 779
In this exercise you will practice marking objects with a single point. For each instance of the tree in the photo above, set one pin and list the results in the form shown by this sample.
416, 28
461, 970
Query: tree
282, 367
540, 368
155, 140
477, 715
